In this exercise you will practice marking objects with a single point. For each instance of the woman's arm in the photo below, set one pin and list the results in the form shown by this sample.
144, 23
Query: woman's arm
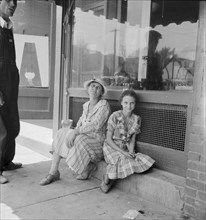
70, 138
101, 117
97, 120
82, 116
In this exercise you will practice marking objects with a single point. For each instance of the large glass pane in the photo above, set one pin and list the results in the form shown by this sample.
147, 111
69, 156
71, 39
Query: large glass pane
109, 37
140, 44
32, 23
88, 45
172, 45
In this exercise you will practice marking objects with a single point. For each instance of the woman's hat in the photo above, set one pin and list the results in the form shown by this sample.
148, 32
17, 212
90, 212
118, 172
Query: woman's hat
87, 83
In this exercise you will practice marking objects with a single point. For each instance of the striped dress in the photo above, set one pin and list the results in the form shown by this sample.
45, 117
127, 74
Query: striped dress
118, 165
89, 143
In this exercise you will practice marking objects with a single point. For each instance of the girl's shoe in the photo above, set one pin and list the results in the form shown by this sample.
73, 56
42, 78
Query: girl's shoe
50, 178
106, 184
87, 174
105, 178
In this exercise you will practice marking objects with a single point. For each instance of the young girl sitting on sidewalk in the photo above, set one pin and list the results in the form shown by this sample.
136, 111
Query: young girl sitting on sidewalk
118, 149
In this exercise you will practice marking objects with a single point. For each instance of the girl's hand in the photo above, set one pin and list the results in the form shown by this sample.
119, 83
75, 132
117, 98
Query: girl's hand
132, 154
127, 154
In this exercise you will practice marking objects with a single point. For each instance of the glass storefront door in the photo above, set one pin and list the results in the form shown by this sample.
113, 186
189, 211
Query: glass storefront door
34, 25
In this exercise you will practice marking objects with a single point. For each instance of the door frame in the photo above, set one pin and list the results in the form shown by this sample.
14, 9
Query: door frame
37, 103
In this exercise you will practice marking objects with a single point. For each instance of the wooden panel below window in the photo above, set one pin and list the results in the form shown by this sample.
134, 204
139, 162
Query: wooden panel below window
167, 148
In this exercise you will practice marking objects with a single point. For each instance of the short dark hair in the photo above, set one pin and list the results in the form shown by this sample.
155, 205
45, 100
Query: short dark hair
128, 92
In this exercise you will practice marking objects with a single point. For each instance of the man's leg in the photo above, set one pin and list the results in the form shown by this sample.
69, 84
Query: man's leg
3, 137
12, 127
12, 124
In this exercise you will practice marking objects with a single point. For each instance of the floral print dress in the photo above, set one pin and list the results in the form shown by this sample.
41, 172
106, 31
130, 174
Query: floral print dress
119, 166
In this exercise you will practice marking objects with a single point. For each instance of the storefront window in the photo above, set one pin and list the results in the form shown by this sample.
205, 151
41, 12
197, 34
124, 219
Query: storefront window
32, 24
172, 45
138, 44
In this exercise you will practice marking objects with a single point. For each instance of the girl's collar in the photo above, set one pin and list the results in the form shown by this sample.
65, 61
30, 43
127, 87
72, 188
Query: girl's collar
126, 115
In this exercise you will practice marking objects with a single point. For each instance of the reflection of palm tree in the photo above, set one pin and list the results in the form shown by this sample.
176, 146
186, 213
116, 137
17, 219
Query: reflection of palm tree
167, 56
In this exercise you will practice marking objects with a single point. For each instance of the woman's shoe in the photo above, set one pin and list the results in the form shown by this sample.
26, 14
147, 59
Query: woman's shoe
87, 174
50, 178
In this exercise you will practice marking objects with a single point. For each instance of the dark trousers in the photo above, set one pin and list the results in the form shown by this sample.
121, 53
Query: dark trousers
3, 136
9, 122
9, 87
7, 142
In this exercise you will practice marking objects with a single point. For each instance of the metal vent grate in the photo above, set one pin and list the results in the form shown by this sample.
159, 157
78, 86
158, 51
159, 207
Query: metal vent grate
163, 125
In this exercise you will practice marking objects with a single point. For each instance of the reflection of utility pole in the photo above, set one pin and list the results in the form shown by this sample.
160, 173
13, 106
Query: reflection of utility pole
115, 36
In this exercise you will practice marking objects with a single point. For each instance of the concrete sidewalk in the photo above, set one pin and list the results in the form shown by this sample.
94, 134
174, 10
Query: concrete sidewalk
24, 198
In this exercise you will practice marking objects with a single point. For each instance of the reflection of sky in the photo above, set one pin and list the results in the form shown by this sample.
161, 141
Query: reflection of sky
98, 33
182, 37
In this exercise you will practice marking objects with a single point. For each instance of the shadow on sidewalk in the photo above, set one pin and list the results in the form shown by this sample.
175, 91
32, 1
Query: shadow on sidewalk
23, 189
24, 198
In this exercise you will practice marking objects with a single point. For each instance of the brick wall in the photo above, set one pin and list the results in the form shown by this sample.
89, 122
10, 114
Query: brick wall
195, 189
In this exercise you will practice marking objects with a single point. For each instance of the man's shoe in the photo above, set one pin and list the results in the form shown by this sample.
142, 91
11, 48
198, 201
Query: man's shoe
3, 180
12, 166
50, 178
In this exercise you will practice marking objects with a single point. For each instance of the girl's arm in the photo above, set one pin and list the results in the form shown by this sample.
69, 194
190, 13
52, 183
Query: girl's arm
132, 144
136, 130
111, 143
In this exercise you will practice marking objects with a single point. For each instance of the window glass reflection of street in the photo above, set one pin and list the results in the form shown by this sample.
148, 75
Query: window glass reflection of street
118, 48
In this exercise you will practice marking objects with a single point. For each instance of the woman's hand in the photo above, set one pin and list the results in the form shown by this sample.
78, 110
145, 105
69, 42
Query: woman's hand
71, 137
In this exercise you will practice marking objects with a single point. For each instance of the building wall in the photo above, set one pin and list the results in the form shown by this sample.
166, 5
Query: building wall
195, 189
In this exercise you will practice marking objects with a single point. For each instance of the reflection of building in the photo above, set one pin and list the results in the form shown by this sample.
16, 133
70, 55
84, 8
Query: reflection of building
179, 72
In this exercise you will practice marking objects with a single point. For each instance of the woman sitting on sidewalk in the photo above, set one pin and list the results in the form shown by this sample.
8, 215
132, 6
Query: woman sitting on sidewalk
82, 146
119, 152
